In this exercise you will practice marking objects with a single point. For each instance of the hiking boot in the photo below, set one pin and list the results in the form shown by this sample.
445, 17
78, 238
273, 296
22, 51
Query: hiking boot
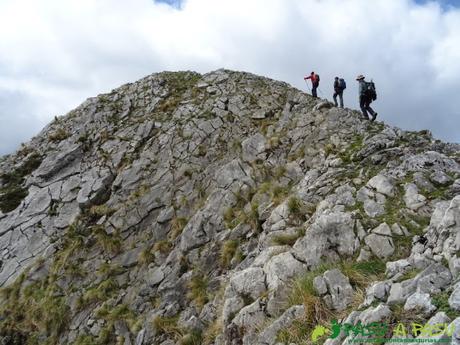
374, 116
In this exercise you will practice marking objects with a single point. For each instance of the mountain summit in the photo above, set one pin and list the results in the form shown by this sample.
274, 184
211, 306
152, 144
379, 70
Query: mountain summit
224, 208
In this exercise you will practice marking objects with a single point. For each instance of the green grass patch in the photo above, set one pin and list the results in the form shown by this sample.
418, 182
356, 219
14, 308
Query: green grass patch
193, 337
163, 246
167, 326
441, 302
228, 251
279, 193
302, 291
58, 135
355, 146
12, 193
38, 309
298, 333
146, 256
198, 286
240, 213
101, 210
99, 293
111, 243
410, 274
177, 226
288, 239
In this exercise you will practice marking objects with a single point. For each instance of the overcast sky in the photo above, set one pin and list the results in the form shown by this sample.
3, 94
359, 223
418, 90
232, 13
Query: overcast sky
54, 54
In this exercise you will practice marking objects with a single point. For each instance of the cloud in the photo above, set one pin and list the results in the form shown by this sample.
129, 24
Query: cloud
54, 54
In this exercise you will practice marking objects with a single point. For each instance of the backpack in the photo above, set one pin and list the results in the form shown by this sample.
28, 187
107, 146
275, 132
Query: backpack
342, 84
316, 82
369, 90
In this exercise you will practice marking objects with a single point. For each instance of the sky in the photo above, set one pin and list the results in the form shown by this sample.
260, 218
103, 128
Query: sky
54, 54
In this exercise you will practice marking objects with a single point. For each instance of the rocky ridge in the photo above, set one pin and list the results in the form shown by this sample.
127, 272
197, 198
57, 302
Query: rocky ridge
223, 208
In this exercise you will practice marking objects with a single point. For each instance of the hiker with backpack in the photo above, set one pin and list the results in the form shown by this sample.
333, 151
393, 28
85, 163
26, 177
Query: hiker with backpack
367, 94
339, 87
314, 82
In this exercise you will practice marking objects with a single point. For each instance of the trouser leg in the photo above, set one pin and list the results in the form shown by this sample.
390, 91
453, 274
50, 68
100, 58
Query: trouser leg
335, 98
362, 104
313, 91
369, 109
340, 99
373, 113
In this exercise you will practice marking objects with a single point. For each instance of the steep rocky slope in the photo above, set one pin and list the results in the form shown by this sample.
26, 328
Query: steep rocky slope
223, 208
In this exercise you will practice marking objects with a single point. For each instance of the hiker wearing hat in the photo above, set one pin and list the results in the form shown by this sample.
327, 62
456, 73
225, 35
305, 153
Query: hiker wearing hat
314, 82
339, 86
367, 94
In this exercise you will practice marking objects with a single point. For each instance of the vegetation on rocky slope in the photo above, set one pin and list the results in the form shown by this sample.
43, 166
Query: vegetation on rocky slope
220, 208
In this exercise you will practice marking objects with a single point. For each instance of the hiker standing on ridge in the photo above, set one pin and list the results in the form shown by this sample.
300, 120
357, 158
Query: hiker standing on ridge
367, 94
314, 82
339, 86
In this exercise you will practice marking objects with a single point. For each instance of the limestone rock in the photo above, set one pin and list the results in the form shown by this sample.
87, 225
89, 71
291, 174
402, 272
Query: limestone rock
454, 299
412, 198
254, 148
419, 302
380, 241
382, 184
250, 282
268, 335
330, 235
339, 289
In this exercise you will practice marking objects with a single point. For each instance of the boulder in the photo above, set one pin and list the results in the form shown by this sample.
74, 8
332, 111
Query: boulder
419, 302
380, 241
382, 184
339, 289
454, 298
254, 148
331, 235
268, 335
249, 282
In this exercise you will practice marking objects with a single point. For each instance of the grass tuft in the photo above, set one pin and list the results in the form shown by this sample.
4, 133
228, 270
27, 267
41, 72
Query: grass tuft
288, 239
163, 247
198, 290
167, 326
177, 226
228, 251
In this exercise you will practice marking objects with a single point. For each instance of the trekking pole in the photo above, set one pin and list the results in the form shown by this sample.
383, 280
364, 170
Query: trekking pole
320, 91
308, 87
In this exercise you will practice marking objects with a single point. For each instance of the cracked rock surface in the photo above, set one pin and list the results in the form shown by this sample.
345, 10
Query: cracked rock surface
222, 209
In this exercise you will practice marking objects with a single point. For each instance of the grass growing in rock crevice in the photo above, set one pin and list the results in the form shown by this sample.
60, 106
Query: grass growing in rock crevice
441, 302
177, 226
349, 154
228, 251
167, 326
302, 292
288, 239
244, 211
33, 314
178, 83
198, 286
36, 312
12, 192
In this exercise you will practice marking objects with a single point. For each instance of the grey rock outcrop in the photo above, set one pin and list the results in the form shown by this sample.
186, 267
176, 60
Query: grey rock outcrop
217, 209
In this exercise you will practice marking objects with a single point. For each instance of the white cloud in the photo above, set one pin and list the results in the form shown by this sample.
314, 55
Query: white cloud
54, 54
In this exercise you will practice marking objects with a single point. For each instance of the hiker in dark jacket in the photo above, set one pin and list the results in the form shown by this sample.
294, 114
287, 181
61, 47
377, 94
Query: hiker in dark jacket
364, 99
314, 82
338, 91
